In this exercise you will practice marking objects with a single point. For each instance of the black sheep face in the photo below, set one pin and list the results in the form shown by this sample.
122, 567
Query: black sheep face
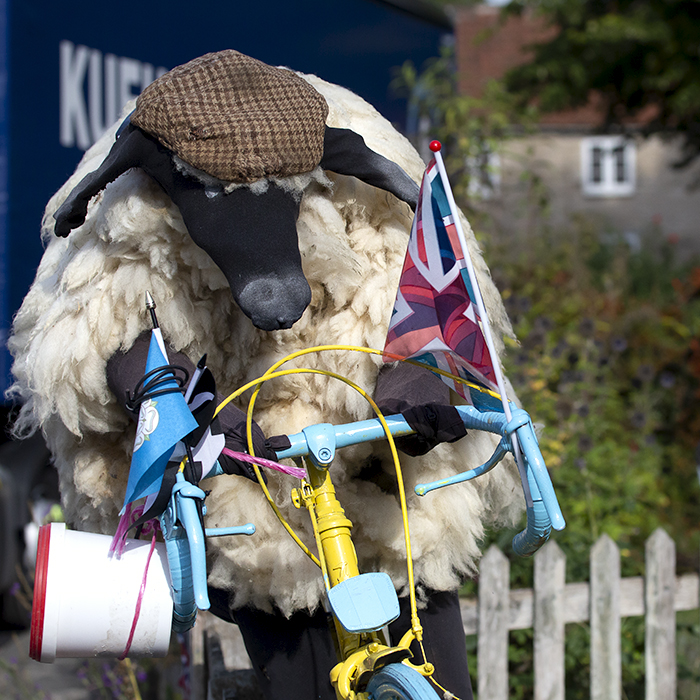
234, 118
251, 237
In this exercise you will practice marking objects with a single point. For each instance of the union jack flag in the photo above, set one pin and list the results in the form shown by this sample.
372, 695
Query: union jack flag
435, 319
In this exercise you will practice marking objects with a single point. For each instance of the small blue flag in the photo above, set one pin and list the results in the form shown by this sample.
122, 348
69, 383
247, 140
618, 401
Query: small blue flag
163, 421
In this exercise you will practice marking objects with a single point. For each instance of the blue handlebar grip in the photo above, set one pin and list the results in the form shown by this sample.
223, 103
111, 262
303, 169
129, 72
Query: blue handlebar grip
536, 533
538, 527
184, 608
187, 513
489, 421
538, 470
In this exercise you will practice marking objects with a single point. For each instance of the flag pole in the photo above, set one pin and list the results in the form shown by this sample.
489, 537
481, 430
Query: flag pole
198, 371
151, 308
155, 331
435, 147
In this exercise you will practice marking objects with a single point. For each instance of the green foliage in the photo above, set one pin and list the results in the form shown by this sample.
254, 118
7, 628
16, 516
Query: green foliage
609, 367
638, 57
469, 128
688, 643
608, 360
609, 364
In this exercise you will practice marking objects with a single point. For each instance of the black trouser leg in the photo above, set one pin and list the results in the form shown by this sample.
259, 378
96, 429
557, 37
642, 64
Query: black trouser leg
443, 640
293, 657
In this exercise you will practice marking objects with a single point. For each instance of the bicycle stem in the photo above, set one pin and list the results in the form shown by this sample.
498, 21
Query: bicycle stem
333, 534
333, 527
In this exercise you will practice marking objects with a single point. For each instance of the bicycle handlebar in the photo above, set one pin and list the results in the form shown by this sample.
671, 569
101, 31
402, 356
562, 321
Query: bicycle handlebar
184, 534
543, 511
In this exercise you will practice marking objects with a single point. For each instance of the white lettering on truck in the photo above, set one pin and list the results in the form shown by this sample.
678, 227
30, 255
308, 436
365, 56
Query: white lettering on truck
93, 89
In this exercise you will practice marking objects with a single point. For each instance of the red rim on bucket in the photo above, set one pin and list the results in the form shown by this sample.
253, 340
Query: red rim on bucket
38, 604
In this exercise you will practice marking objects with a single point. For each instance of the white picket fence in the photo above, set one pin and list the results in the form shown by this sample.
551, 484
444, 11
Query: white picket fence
553, 603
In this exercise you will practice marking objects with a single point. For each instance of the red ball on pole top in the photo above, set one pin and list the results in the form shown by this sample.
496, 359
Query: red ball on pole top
435, 146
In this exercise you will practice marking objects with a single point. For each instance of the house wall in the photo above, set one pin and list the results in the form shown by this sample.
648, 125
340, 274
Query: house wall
487, 46
664, 201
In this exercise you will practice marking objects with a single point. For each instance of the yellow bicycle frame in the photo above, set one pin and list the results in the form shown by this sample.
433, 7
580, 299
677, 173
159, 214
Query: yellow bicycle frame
360, 655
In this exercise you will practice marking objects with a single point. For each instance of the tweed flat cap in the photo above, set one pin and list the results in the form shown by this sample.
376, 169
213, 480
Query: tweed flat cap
235, 117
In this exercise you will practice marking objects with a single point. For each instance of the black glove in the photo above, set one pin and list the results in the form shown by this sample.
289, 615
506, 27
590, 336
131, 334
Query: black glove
125, 370
433, 423
233, 423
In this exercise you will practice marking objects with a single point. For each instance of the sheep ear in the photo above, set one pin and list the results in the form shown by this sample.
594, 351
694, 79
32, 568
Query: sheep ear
346, 153
124, 155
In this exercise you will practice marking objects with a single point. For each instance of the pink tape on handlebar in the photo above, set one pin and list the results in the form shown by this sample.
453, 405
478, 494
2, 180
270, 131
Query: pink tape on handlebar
243, 457
139, 600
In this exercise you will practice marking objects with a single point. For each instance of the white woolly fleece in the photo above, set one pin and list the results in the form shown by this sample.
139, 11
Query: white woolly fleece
87, 302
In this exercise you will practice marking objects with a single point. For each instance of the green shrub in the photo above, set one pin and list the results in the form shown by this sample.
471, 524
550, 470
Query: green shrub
608, 366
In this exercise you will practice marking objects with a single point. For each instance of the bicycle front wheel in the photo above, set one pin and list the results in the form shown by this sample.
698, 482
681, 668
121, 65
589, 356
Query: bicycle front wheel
399, 682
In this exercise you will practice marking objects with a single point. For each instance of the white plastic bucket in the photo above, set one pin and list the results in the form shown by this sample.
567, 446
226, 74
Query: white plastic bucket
85, 600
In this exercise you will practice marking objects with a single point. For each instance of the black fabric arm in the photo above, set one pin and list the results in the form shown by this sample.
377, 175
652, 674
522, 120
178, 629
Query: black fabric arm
125, 369
424, 401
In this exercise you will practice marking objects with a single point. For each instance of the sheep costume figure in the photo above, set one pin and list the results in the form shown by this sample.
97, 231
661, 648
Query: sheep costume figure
244, 199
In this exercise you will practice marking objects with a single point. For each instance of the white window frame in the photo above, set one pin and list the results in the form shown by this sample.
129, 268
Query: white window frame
608, 166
